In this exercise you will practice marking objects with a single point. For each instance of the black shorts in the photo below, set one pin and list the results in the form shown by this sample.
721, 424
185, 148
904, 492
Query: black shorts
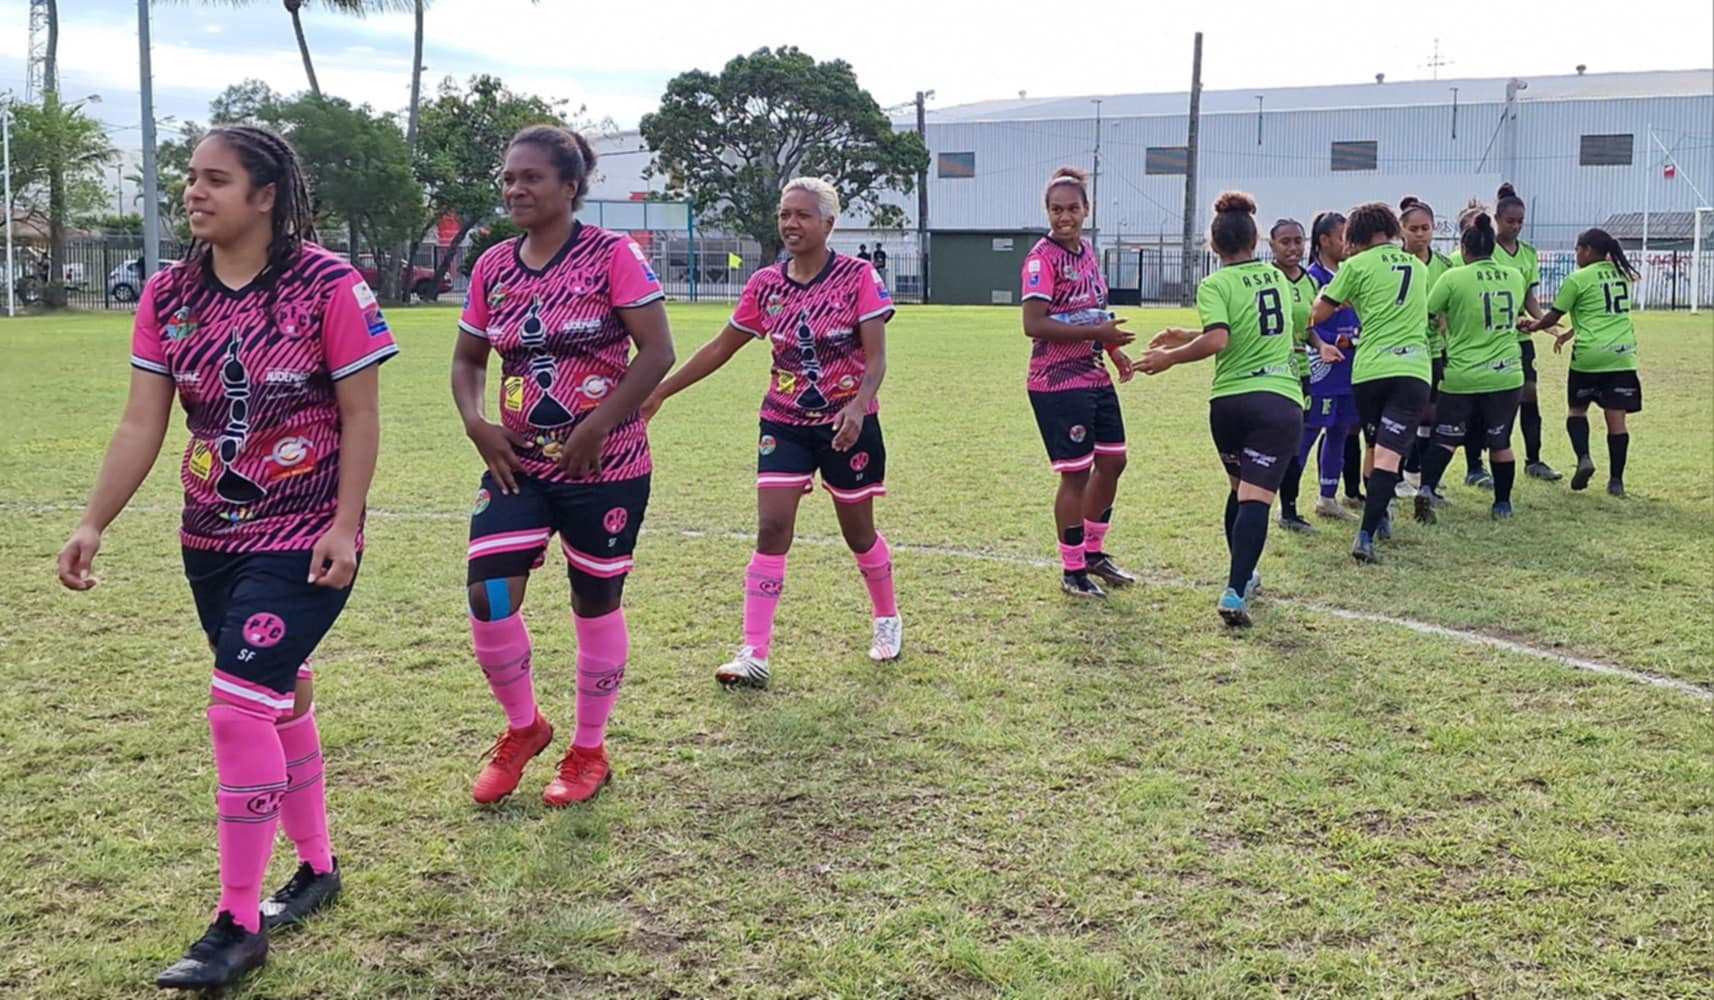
1527, 346
1439, 365
1078, 424
1608, 390
1484, 417
263, 619
1257, 435
1390, 409
789, 456
597, 524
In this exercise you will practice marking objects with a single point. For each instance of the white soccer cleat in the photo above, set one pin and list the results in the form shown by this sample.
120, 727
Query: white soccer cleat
746, 670
888, 641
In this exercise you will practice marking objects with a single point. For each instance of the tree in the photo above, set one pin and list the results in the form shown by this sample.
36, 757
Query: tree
732, 141
360, 169
172, 159
251, 102
59, 158
461, 142
355, 8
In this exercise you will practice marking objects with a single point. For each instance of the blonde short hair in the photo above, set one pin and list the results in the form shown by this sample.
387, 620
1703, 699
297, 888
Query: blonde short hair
824, 193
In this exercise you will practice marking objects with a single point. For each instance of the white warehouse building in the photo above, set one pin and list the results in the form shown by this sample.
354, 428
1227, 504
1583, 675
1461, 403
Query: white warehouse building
1578, 148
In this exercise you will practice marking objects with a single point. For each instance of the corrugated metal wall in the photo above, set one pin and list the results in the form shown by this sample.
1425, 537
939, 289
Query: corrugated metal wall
1290, 169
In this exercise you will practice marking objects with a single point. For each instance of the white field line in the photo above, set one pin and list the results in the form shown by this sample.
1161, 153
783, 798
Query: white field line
1424, 628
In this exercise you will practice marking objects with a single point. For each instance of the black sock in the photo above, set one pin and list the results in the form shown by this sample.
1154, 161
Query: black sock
1578, 428
1106, 516
1529, 418
1505, 473
1289, 487
1381, 483
1434, 466
1353, 464
1072, 535
1618, 449
1249, 535
1472, 454
1231, 515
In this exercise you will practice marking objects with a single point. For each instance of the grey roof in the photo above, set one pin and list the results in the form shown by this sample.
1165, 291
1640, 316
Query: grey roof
1662, 226
1593, 86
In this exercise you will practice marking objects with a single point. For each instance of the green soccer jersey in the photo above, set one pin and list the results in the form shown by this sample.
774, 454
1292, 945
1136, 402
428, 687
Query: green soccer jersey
1482, 303
1302, 301
1527, 264
1598, 300
1437, 264
1389, 290
1252, 301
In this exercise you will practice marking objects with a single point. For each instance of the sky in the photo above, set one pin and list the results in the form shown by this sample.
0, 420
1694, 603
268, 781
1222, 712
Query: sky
964, 52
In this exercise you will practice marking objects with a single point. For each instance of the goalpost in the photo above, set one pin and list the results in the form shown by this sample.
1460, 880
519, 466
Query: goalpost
1696, 257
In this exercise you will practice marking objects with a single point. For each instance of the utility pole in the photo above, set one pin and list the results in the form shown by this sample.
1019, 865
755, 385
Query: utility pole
1187, 278
1095, 188
922, 196
151, 179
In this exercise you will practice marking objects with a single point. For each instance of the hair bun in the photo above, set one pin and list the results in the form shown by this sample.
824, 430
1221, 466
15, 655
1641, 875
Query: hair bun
1077, 174
1483, 222
1409, 202
1234, 201
1507, 191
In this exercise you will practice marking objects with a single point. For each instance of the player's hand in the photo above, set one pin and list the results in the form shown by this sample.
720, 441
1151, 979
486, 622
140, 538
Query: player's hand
847, 425
1157, 360
333, 561
580, 455
76, 557
650, 407
1172, 337
1112, 332
1122, 361
1330, 354
498, 447
1560, 339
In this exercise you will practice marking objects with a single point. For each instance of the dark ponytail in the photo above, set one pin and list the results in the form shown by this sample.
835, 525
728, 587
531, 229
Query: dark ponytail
1603, 243
1233, 230
1507, 198
1322, 226
572, 155
1477, 239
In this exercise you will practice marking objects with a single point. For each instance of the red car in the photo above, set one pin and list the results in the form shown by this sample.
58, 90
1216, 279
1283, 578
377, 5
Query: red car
421, 283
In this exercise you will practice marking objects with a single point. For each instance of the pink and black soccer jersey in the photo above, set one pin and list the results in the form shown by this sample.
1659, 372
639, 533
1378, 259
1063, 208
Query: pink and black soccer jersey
818, 355
255, 370
562, 344
1072, 286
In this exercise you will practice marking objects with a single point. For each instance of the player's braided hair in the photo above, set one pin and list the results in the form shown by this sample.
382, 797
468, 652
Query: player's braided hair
267, 159
572, 155
1369, 221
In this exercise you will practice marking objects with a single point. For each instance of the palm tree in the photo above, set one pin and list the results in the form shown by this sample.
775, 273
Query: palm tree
355, 8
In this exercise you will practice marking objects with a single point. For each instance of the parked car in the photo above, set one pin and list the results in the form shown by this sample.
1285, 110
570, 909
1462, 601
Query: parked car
421, 283
125, 282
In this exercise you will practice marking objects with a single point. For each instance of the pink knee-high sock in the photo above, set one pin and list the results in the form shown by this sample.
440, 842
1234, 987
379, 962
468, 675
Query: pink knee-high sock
876, 565
304, 810
763, 582
251, 769
1094, 534
503, 651
603, 646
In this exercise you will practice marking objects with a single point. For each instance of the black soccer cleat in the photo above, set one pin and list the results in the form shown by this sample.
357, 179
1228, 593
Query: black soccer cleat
1102, 565
1296, 522
1078, 584
1425, 508
1585, 472
1616, 488
1363, 549
305, 895
218, 959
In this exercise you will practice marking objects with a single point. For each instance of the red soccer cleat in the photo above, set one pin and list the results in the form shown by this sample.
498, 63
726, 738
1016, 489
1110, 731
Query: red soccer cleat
582, 772
507, 758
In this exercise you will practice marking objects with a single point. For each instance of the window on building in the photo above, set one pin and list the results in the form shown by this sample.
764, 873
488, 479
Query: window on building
1166, 160
1354, 155
1605, 150
956, 165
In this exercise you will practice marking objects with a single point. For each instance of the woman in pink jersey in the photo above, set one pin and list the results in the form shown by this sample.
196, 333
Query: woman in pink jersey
825, 316
271, 345
1066, 319
562, 306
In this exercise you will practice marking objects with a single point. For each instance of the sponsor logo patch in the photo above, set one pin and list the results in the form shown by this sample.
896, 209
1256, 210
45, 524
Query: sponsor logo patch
767, 445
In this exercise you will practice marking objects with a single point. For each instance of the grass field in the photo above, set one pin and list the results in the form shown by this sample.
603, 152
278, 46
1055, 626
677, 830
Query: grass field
1040, 800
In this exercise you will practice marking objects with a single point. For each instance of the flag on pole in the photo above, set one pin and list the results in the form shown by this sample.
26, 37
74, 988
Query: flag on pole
735, 262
